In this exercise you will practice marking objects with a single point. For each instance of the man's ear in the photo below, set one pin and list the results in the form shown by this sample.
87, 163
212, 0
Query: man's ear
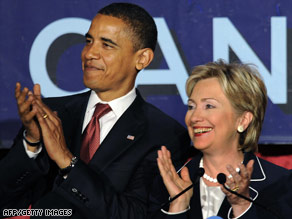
145, 56
245, 119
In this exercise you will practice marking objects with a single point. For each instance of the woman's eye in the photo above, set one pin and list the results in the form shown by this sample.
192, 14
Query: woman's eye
87, 41
209, 106
190, 107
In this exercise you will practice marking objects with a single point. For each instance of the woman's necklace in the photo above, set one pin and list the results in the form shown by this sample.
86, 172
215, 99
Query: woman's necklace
211, 179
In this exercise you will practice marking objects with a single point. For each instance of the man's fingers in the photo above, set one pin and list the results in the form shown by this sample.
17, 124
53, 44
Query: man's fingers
25, 106
45, 110
44, 124
28, 116
22, 96
17, 89
25, 111
45, 116
37, 91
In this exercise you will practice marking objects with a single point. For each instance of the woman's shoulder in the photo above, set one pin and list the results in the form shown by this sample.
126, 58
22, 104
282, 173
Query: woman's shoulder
265, 172
271, 167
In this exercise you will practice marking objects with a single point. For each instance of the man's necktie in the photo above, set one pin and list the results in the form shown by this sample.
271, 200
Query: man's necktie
91, 135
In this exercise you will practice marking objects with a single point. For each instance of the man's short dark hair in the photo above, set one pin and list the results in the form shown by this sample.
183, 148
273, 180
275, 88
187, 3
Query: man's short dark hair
138, 20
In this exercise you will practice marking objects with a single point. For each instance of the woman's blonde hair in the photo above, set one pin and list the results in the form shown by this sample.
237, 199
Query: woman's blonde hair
243, 86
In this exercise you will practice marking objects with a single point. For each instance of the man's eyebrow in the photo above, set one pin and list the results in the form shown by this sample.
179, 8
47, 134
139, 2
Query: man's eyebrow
109, 41
87, 35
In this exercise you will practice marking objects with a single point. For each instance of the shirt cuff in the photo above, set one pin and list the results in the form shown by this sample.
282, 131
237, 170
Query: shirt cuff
174, 213
31, 154
230, 210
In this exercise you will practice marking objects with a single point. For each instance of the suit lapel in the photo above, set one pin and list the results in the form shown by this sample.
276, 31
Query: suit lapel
74, 114
257, 176
224, 208
196, 206
131, 123
196, 209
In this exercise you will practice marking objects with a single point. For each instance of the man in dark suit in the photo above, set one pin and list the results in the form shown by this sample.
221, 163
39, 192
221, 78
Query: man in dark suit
45, 169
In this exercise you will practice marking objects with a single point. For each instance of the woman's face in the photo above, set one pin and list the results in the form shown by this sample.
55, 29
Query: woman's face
211, 120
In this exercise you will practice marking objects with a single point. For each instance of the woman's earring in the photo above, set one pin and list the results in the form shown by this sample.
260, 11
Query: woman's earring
240, 129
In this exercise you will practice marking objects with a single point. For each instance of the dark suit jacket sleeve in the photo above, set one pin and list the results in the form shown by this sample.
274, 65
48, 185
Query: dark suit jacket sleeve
162, 215
256, 212
89, 192
20, 176
93, 195
276, 200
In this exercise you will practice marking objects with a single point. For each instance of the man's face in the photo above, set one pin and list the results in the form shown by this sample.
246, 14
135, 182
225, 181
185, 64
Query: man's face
108, 58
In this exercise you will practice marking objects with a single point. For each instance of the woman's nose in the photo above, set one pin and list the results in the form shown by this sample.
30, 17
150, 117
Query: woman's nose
196, 116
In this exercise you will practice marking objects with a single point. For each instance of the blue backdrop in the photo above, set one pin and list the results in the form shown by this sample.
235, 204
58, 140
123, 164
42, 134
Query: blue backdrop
41, 42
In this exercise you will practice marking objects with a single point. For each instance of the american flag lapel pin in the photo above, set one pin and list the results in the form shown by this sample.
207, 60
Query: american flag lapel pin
131, 137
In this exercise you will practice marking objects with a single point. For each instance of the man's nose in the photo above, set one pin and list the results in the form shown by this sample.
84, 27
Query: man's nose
92, 52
